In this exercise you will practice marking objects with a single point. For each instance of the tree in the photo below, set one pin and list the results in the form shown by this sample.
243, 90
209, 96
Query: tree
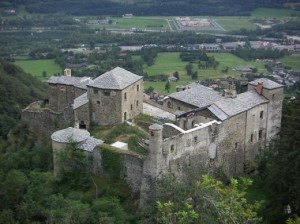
195, 75
167, 86
176, 75
208, 201
150, 89
280, 170
189, 69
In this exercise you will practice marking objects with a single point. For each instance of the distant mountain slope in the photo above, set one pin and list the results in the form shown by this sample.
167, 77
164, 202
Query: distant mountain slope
17, 90
149, 7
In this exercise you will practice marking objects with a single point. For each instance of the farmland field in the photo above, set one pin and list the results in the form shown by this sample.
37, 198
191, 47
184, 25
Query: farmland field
292, 61
274, 13
150, 23
230, 23
36, 67
168, 63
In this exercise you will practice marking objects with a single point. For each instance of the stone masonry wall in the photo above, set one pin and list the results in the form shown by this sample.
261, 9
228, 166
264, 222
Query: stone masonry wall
82, 114
105, 106
46, 121
133, 104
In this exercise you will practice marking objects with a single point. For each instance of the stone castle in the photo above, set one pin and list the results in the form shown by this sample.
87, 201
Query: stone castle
213, 132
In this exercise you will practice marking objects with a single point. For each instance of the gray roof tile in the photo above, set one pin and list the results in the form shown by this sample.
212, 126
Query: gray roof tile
267, 83
198, 95
79, 82
89, 144
116, 79
228, 107
81, 100
69, 135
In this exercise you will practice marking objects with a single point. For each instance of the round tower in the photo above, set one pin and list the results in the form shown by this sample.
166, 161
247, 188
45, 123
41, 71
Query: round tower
155, 141
62, 139
151, 165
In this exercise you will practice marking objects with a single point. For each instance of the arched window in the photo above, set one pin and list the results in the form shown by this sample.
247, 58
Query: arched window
125, 116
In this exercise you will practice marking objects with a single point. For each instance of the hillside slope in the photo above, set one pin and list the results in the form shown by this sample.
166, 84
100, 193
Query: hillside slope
17, 90
149, 7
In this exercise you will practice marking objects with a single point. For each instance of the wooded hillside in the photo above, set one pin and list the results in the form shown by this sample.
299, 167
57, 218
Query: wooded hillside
17, 90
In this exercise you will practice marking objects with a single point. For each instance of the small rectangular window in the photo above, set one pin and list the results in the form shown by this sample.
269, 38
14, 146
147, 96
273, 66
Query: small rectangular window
95, 91
251, 138
137, 88
260, 135
137, 103
106, 93
195, 139
261, 115
98, 102
178, 108
172, 148
131, 107
125, 96
236, 145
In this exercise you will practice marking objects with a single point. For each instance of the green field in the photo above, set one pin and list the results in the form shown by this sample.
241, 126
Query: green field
230, 23
141, 23
292, 61
168, 63
36, 67
274, 13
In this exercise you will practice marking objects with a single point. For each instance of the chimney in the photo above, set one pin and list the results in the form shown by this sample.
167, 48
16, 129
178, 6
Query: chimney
259, 88
230, 92
67, 72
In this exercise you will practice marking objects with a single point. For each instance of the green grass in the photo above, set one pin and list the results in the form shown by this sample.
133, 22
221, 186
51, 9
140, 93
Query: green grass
293, 61
36, 67
274, 13
152, 23
168, 63
230, 23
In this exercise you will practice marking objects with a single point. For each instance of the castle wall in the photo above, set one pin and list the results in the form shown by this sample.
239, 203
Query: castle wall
131, 171
46, 121
178, 105
82, 117
105, 106
256, 129
111, 107
190, 150
62, 96
275, 97
57, 148
197, 117
132, 105
230, 144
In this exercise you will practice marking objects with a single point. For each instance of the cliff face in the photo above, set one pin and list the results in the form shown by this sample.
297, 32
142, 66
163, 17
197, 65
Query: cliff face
17, 90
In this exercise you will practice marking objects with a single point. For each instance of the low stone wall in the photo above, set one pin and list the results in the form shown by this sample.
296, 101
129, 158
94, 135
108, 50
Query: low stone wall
46, 121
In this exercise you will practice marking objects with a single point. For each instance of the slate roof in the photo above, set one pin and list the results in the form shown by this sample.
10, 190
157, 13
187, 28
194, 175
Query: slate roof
81, 100
79, 82
116, 79
80, 136
70, 135
229, 107
267, 83
198, 95
89, 144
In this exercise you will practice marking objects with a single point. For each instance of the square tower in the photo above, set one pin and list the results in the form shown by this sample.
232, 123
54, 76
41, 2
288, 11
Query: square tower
115, 96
